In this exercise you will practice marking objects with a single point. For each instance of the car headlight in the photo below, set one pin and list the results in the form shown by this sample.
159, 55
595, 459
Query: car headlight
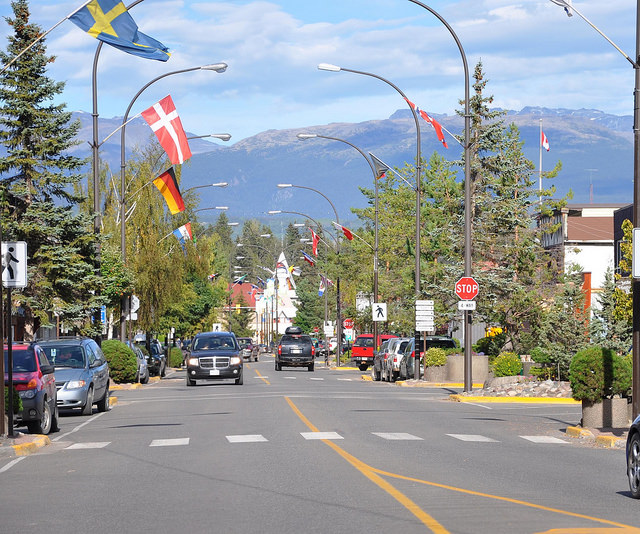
75, 384
194, 361
27, 394
235, 360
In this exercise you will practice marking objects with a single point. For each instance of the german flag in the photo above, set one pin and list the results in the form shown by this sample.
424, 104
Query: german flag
168, 186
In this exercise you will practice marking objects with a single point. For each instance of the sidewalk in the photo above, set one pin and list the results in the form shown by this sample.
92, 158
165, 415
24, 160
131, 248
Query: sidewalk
22, 444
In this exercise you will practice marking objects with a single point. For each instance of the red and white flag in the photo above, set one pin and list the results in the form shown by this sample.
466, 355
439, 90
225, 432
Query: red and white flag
430, 120
165, 122
545, 142
347, 233
314, 243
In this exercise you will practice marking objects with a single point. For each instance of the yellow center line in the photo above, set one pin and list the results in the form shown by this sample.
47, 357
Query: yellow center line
374, 474
260, 376
368, 472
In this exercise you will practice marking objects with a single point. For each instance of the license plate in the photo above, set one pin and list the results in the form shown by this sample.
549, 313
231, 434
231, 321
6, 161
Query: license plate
214, 372
296, 351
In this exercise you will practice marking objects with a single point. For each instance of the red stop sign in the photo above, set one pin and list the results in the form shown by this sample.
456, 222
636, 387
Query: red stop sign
467, 288
347, 323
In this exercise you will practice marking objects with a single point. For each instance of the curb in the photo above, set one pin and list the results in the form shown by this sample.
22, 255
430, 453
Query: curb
25, 449
579, 432
610, 442
367, 378
113, 401
423, 384
507, 400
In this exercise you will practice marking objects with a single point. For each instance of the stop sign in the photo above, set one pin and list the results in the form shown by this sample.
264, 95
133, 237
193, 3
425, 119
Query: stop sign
467, 288
347, 323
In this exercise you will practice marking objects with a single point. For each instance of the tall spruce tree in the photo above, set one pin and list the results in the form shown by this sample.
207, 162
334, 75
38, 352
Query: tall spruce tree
38, 178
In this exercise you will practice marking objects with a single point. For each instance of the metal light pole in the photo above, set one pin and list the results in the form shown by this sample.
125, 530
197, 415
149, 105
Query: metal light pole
467, 195
338, 303
377, 172
217, 67
635, 284
335, 68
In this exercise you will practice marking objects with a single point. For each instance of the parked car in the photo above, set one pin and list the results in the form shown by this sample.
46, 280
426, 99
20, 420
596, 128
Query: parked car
156, 357
295, 349
82, 373
34, 380
395, 350
142, 371
379, 361
633, 458
214, 356
362, 350
407, 363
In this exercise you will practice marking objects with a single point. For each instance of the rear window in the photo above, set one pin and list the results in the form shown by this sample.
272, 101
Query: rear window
296, 338
363, 342
65, 356
441, 343
24, 360
214, 343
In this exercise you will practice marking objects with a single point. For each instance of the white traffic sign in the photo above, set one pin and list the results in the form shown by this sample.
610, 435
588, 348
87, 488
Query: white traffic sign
379, 311
467, 305
424, 304
14, 264
424, 327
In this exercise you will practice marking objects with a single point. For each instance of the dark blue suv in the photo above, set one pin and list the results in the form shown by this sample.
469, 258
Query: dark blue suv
214, 356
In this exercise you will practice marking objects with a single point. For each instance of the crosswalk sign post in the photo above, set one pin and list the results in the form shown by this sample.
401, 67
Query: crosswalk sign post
14, 264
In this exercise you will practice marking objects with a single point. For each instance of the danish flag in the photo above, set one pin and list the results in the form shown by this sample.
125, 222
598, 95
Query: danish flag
165, 122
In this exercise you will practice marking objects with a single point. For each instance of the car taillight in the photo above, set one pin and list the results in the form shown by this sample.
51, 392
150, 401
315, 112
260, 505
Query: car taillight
313, 351
413, 353
279, 350
32, 384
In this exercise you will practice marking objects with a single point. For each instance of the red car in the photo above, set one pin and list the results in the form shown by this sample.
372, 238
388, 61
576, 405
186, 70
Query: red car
34, 381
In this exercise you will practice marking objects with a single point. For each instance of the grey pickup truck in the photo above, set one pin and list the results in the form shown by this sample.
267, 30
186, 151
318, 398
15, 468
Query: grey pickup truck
295, 350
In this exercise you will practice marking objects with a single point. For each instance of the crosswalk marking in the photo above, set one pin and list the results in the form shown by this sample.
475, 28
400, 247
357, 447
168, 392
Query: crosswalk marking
290, 377
89, 445
473, 437
316, 379
396, 436
169, 442
321, 435
247, 438
543, 439
345, 380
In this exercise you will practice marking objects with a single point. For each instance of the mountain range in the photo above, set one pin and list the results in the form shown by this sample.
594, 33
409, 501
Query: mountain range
596, 151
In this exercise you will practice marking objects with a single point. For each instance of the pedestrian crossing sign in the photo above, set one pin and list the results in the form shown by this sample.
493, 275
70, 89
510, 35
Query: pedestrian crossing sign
14, 264
379, 311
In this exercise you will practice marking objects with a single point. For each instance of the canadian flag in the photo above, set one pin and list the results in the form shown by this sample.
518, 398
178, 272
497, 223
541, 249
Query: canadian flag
430, 120
314, 244
545, 142
165, 122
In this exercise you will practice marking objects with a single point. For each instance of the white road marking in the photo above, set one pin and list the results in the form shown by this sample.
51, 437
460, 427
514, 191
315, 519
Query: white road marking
78, 427
321, 435
11, 464
473, 437
290, 377
316, 379
89, 445
396, 436
543, 439
345, 380
247, 438
261, 377
169, 442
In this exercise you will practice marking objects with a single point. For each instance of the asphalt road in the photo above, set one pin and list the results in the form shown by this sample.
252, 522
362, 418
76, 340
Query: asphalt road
300, 452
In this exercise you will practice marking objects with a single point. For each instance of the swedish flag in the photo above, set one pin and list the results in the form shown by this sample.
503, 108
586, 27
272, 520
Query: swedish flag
109, 21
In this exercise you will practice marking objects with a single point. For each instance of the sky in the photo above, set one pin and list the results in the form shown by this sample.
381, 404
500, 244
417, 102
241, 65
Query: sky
532, 53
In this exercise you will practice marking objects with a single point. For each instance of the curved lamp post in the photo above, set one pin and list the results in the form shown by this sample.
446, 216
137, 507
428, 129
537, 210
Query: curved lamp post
335, 68
377, 173
217, 67
467, 193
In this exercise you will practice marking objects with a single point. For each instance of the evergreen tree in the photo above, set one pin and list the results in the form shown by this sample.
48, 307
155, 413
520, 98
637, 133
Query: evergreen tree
38, 182
608, 331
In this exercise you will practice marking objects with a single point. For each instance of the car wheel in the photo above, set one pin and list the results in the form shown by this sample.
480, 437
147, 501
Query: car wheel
190, 382
310, 368
278, 367
239, 380
54, 421
163, 370
87, 409
255, 359
103, 403
363, 367
633, 466
43, 426
394, 376
145, 378
375, 374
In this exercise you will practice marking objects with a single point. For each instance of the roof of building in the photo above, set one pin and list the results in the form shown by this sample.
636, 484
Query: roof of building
590, 228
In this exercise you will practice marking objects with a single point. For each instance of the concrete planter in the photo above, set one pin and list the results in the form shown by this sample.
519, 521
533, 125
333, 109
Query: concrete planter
436, 373
608, 413
479, 368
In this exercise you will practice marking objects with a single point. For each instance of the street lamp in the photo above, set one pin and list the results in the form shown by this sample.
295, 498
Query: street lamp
222, 137
223, 208
378, 171
216, 67
635, 282
335, 68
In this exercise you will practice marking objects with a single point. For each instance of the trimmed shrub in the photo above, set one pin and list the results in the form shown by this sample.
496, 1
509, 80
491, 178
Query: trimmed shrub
176, 357
435, 357
596, 373
507, 364
123, 363
17, 401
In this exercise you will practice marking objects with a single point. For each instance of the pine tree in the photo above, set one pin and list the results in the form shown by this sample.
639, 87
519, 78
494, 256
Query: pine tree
38, 179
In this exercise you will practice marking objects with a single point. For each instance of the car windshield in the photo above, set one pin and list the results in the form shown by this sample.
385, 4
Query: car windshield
23, 360
214, 343
363, 342
65, 356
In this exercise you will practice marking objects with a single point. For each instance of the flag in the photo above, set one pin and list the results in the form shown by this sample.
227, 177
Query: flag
566, 4
315, 238
168, 186
545, 142
283, 264
183, 234
430, 120
308, 258
261, 282
110, 22
295, 271
165, 122
321, 288
239, 280
347, 233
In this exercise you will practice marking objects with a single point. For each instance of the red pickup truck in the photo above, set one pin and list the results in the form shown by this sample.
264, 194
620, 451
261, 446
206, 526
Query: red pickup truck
362, 349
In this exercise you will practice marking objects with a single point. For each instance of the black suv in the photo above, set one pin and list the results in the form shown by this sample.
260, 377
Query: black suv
214, 356
295, 350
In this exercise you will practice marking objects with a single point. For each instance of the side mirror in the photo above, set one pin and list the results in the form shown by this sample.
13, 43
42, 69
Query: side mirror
47, 369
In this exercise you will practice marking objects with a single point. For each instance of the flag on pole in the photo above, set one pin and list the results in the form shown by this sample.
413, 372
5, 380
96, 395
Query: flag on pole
545, 142
308, 258
321, 288
239, 280
168, 186
283, 264
110, 22
183, 234
347, 233
430, 120
315, 239
566, 4
165, 122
